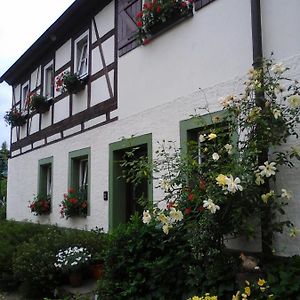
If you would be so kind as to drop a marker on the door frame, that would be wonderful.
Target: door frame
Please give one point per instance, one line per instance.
(115, 186)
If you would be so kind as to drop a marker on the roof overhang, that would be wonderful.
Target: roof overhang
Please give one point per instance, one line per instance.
(78, 14)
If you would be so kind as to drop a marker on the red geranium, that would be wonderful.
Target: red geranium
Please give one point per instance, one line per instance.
(74, 203)
(190, 197)
(41, 205)
(188, 210)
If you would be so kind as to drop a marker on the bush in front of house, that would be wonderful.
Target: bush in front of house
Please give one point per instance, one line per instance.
(283, 275)
(12, 235)
(144, 264)
(34, 261)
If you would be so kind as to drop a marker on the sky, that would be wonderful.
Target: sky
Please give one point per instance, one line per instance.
(21, 24)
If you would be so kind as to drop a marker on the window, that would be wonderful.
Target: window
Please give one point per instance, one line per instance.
(79, 170)
(81, 56)
(45, 176)
(49, 81)
(192, 129)
(24, 95)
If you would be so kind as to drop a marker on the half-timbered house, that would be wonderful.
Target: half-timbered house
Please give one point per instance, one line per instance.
(143, 92)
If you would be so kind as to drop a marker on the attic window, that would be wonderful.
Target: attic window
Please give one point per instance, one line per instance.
(81, 56)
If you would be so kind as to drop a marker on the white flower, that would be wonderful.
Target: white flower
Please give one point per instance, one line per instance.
(228, 148)
(294, 232)
(227, 101)
(278, 68)
(285, 194)
(166, 228)
(294, 101)
(146, 217)
(276, 113)
(295, 150)
(215, 156)
(176, 215)
(208, 204)
(233, 184)
(163, 218)
(165, 184)
(268, 169)
(259, 180)
(265, 197)
(212, 136)
(202, 138)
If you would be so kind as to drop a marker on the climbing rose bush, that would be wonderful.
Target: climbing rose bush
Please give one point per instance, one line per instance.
(221, 186)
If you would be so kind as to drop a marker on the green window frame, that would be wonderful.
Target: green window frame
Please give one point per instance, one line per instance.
(45, 176)
(190, 128)
(80, 171)
(117, 187)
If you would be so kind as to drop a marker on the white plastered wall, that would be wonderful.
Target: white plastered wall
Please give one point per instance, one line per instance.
(211, 47)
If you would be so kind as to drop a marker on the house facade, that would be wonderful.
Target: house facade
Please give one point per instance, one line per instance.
(144, 92)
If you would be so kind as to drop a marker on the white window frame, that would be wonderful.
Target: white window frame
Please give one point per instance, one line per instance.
(49, 179)
(23, 95)
(45, 81)
(83, 172)
(80, 59)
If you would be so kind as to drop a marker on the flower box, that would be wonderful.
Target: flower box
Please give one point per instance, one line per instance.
(73, 84)
(159, 16)
(15, 118)
(39, 104)
(159, 28)
(41, 205)
(74, 204)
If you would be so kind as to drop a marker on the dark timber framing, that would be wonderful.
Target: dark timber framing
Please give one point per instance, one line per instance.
(104, 108)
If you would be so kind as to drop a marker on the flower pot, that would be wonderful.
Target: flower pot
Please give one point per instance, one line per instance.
(174, 19)
(43, 107)
(97, 271)
(20, 121)
(75, 279)
(75, 88)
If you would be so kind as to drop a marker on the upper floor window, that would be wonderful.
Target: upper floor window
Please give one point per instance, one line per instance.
(81, 55)
(49, 81)
(24, 94)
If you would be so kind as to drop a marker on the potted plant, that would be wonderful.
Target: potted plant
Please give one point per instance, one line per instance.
(14, 117)
(74, 204)
(39, 103)
(72, 83)
(158, 15)
(97, 266)
(41, 205)
(72, 261)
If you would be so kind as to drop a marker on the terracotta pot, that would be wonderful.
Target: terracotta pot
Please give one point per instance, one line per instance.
(97, 271)
(75, 279)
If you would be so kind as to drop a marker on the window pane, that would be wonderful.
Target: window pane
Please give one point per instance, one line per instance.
(49, 82)
(49, 180)
(24, 95)
(82, 57)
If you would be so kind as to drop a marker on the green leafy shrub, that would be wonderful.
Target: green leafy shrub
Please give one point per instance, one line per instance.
(142, 263)
(284, 278)
(34, 261)
(13, 234)
(2, 211)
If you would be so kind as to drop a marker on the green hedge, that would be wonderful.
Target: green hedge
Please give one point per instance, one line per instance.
(12, 235)
(27, 255)
(33, 263)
